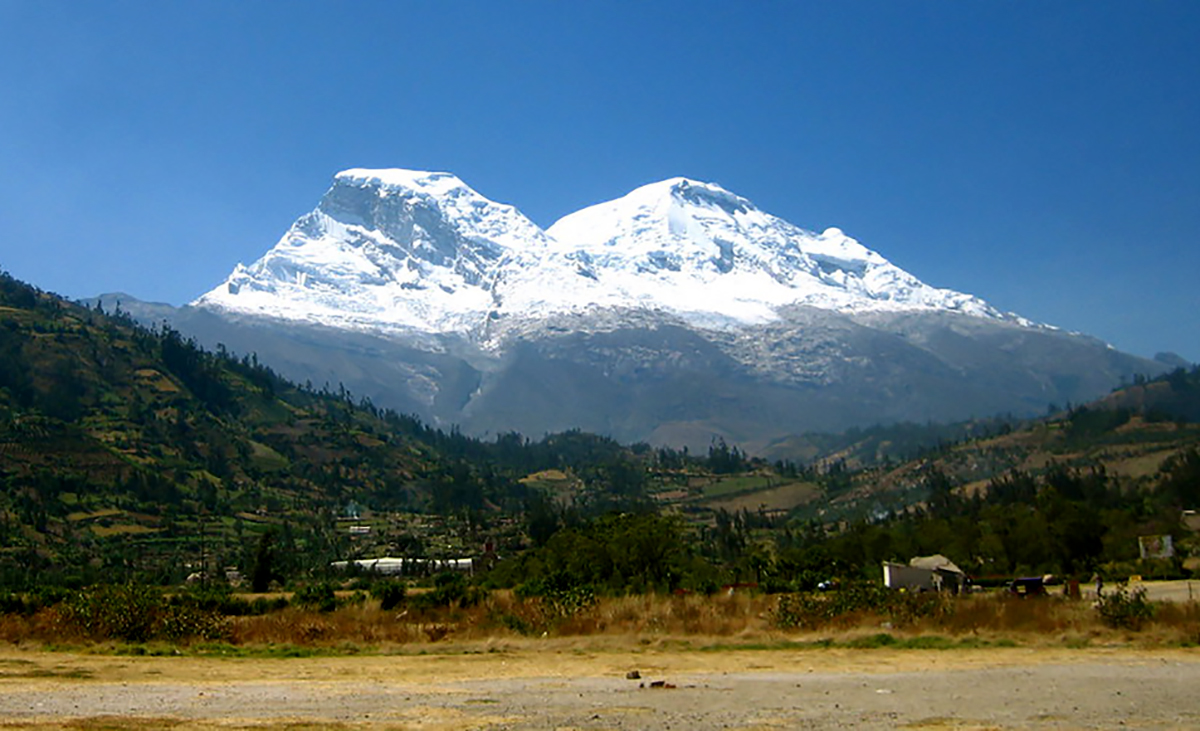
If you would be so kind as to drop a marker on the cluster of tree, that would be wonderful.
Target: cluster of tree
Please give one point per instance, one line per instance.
(133, 453)
(616, 553)
(1182, 400)
(1065, 522)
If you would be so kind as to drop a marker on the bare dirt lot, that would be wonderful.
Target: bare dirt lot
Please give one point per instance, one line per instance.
(556, 684)
(1170, 591)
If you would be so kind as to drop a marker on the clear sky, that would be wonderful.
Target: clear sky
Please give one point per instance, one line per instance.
(1042, 155)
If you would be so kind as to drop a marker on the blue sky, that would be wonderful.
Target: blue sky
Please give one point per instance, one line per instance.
(1044, 156)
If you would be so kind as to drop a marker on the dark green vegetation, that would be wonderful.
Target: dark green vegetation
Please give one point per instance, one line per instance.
(131, 455)
(128, 453)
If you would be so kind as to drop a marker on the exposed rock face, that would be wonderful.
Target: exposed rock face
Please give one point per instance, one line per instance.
(674, 314)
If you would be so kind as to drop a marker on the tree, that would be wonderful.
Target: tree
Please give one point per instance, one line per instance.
(264, 563)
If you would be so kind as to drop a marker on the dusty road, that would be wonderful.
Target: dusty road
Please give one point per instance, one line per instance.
(560, 686)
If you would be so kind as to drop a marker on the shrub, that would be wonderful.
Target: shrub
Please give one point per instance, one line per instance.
(390, 594)
(181, 622)
(263, 605)
(560, 596)
(41, 597)
(47, 596)
(871, 642)
(1125, 608)
(318, 597)
(14, 604)
(129, 612)
(807, 609)
(449, 589)
(136, 613)
(213, 598)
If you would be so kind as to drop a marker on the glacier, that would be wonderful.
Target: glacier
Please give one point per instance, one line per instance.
(393, 250)
(675, 313)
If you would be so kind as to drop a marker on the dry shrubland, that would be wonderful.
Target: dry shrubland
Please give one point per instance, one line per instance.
(867, 618)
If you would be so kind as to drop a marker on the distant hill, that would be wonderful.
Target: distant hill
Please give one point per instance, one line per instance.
(126, 451)
(1129, 435)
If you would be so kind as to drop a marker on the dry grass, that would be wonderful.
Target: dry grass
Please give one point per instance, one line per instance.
(725, 620)
(717, 616)
(136, 723)
(1001, 613)
(784, 497)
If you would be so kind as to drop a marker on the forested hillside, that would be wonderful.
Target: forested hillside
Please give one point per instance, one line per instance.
(129, 453)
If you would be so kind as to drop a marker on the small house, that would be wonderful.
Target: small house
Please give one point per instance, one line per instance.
(925, 573)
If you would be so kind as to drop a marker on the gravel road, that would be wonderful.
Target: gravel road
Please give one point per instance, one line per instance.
(867, 689)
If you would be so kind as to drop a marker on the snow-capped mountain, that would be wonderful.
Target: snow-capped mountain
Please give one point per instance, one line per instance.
(674, 314)
(406, 250)
(390, 250)
(696, 249)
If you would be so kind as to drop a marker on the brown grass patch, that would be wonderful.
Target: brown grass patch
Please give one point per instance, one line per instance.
(690, 614)
(741, 618)
(103, 531)
(156, 380)
(783, 497)
(101, 723)
(94, 515)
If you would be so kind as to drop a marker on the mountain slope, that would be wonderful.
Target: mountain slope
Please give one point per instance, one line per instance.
(692, 247)
(677, 313)
(129, 452)
(419, 251)
(1129, 438)
(386, 249)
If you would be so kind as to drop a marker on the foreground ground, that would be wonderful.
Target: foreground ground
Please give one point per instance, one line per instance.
(571, 684)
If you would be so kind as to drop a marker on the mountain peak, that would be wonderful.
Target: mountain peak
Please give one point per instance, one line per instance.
(391, 249)
(687, 191)
(388, 249)
(437, 183)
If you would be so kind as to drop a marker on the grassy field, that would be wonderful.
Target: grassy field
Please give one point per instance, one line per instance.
(1171, 619)
(783, 497)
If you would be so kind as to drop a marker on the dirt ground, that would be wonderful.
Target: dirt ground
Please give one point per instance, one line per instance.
(1170, 591)
(572, 685)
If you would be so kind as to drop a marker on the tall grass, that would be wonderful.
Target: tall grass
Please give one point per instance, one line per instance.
(742, 618)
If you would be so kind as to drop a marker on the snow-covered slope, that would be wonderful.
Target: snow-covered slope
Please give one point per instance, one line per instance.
(388, 250)
(695, 248)
(400, 250)
(675, 313)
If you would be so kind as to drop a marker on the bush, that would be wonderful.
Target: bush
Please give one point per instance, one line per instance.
(136, 613)
(14, 604)
(390, 594)
(262, 605)
(181, 622)
(558, 595)
(449, 589)
(807, 609)
(129, 612)
(318, 597)
(1125, 608)
(215, 598)
(28, 604)
(47, 596)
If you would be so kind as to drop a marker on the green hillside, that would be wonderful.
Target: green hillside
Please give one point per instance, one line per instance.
(126, 452)
(129, 453)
